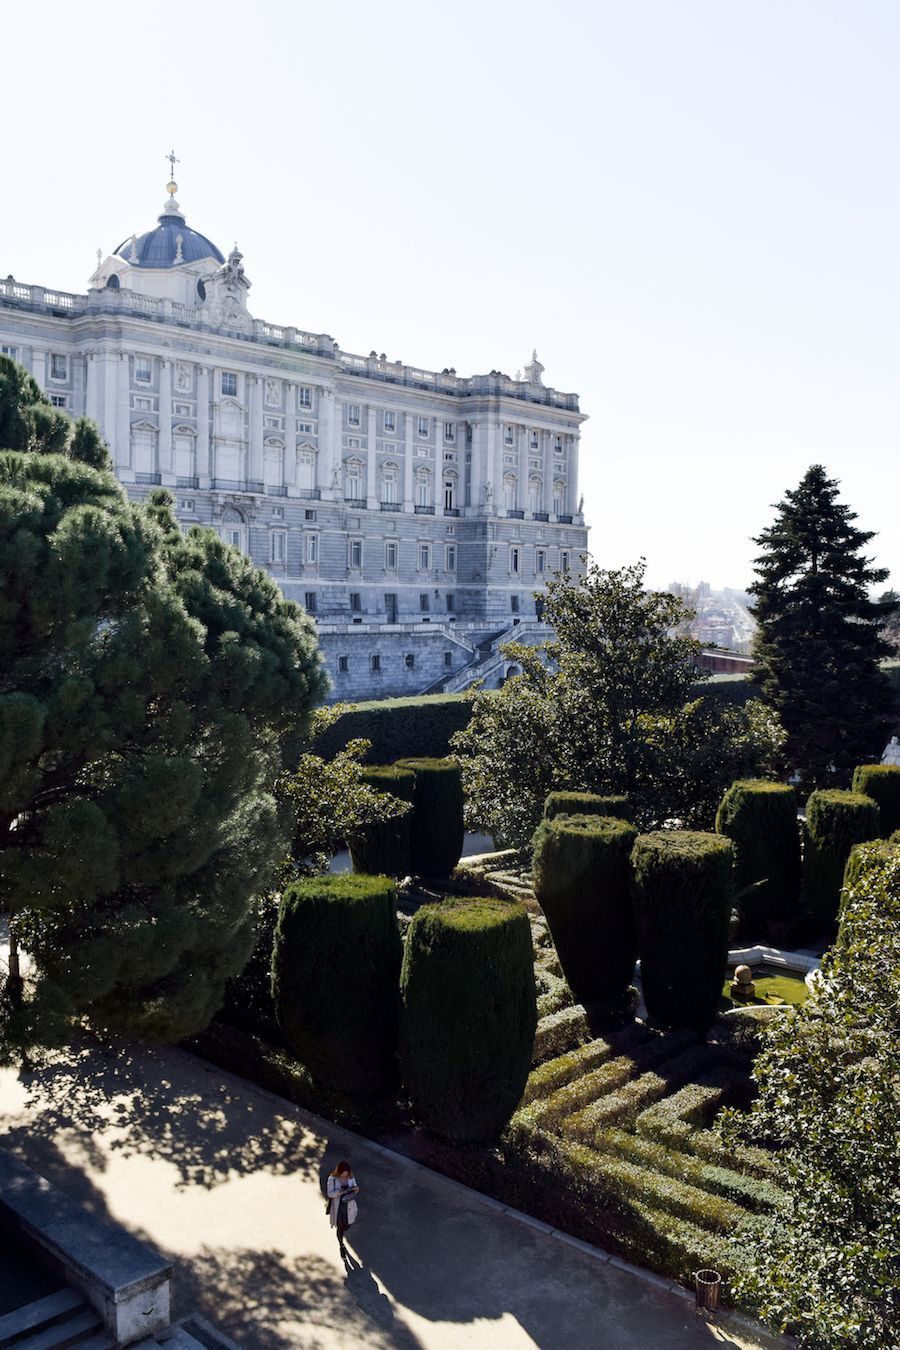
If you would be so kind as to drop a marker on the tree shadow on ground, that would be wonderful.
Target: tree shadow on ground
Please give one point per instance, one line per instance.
(143, 1100)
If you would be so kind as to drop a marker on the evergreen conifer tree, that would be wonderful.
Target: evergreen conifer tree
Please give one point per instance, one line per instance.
(145, 681)
(819, 642)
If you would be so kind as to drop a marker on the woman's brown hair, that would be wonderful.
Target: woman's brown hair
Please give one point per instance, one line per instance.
(342, 1167)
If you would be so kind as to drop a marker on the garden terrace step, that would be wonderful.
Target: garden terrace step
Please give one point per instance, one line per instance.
(43, 1312)
(623, 1102)
(754, 1194)
(673, 1119)
(74, 1329)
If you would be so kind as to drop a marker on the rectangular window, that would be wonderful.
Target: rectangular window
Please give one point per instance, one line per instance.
(424, 557)
(11, 352)
(312, 549)
(448, 659)
(375, 663)
(353, 414)
(451, 602)
(514, 603)
(355, 554)
(353, 443)
(273, 423)
(343, 664)
(514, 560)
(58, 400)
(389, 447)
(451, 557)
(564, 561)
(309, 514)
(186, 504)
(229, 384)
(540, 561)
(355, 602)
(310, 602)
(142, 371)
(59, 366)
(278, 513)
(305, 428)
(390, 421)
(390, 555)
(182, 410)
(558, 445)
(449, 431)
(142, 404)
(304, 397)
(410, 660)
(534, 440)
(277, 546)
(423, 426)
(509, 437)
(424, 602)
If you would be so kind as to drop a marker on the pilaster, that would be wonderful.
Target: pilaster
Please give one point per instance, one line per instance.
(122, 424)
(371, 442)
(408, 453)
(204, 468)
(166, 467)
(255, 472)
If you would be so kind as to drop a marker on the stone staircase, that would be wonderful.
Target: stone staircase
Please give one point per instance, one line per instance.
(53, 1322)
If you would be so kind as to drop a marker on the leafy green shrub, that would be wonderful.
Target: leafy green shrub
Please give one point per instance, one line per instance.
(559, 1032)
(760, 819)
(682, 891)
(864, 864)
(398, 727)
(382, 848)
(468, 1015)
(881, 782)
(835, 821)
(334, 979)
(581, 881)
(587, 804)
(436, 826)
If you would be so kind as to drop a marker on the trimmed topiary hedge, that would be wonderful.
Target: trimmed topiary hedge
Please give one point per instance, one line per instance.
(881, 782)
(382, 848)
(865, 860)
(835, 821)
(587, 804)
(760, 819)
(581, 881)
(436, 827)
(335, 968)
(398, 727)
(468, 1015)
(682, 886)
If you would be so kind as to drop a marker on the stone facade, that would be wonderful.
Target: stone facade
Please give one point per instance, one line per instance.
(414, 513)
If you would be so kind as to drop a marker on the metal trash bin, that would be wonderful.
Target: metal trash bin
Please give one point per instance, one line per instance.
(708, 1287)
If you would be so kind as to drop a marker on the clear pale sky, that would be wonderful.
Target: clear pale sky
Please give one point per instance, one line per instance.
(690, 207)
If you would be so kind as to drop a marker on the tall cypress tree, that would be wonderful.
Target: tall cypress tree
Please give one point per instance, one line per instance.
(819, 642)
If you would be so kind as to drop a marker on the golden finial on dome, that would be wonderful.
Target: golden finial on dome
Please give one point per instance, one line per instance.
(172, 186)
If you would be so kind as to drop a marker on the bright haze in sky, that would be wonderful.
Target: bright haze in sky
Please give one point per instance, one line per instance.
(690, 209)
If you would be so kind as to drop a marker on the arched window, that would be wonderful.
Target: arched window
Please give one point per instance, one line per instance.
(423, 487)
(389, 481)
(234, 528)
(510, 491)
(535, 492)
(353, 479)
(450, 489)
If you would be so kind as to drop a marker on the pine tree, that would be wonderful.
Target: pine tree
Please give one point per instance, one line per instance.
(145, 682)
(819, 642)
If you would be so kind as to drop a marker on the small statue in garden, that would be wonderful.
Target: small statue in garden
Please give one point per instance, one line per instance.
(742, 986)
(891, 754)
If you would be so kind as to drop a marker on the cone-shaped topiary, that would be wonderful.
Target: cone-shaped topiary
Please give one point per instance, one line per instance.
(468, 1015)
(682, 891)
(436, 823)
(382, 847)
(760, 819)
(335, 968)
(581, 881)
(835, 821)
(587, 804)
(881, 782)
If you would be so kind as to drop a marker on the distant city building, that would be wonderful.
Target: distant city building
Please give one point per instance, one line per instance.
(414, 513)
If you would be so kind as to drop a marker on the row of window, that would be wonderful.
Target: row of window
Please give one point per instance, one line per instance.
(278, 550)
(409, 661)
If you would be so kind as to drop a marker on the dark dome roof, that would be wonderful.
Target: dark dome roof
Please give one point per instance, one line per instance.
(159, 247)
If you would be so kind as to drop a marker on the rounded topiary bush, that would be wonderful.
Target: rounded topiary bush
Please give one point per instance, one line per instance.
(335, 967)
(835, 821)
(587, 804)
(436, 827)
(682, 887)
(468, 1015)
(382, 847)
(582, 882)
(881, 782)
(760, 819)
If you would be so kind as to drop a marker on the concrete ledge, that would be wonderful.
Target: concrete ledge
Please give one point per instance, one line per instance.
(123, 1279)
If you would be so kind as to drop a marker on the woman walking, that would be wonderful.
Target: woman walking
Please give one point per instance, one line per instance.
(341, 1189)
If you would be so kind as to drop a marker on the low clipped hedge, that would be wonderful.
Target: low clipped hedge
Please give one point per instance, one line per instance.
(587, 804)
(335, 968)
(582, 883)
(881, 782)
(436, 829)
(382, 848)
(835, 821)
(760, 819)
(468, 1015)
(682, 886)
(398, 727)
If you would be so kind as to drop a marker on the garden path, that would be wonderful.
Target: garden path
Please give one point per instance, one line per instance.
(225, 1179)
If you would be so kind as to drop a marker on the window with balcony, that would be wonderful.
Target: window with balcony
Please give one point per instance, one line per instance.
(423, 488)
(450, 486)
(423, 426)
(390, 421)
(353, 480)
(509, 437)
(353, 414)
(510, 491)
(449, 431)
(389, 484)
(304, 397)
(535, 491)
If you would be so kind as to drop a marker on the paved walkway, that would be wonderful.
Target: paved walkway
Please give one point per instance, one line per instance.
(225, 1179)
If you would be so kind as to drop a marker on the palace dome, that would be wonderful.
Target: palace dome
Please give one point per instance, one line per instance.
(170, 244)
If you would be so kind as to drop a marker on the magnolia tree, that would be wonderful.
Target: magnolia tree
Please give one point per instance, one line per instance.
(609, 706)
(146, 681)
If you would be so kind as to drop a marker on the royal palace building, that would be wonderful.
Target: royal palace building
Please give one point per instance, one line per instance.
(414, 513)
